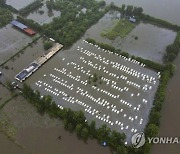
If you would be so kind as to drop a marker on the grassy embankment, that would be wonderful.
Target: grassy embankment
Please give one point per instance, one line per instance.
(121, 28)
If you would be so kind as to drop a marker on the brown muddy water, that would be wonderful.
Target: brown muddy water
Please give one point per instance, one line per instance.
(45, 141)
(44, 18)
(9, 147)
(170, 125)
(11, 41)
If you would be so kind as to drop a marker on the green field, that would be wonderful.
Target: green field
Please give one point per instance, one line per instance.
(121, 28)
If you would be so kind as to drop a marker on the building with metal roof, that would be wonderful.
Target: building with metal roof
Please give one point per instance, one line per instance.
(18, 24)
(23, 27)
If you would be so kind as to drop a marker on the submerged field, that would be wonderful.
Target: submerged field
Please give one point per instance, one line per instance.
(19, 4)
(43, 15)
(122, 28)
(11, 41)
(145, 40)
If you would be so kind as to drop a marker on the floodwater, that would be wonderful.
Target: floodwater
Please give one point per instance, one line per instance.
(12, 148)
(44, 18)
(45, 140)
(168, 10)
(39, 80)
(19, 4)
(11, 41)
(170, 125)
(163, 9)
(149, 44)
(21, 61)
(4, 94)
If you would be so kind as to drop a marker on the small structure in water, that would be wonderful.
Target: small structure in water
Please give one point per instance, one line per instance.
(23, 27)
(132, 19)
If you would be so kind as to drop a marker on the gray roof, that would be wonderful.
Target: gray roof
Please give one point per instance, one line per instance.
(18, 24)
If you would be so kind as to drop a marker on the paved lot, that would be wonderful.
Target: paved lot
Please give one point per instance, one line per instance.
(123, 98)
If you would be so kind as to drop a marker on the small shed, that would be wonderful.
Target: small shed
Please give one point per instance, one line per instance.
(132, 19)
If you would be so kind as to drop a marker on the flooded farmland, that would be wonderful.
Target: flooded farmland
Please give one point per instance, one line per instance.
(45, 17)
(149, 44)
(19, 4)
(21, 61)
(11, 41)
(163, 9)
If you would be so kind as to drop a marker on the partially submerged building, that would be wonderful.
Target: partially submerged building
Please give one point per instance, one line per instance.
(23, 27)
(132, 19)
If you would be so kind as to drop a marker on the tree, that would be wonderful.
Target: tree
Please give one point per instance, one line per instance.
(70, 127)
(152, 130)
(154, 118)
(47, 45)
(122, 150)
(129, 10)
(78, 129)
(92, 128)
(123, 8)
(139, 11)
(50, 5)
(103, 133)
(85, 133)
(79, 117)
(2, 3)
(116, 139)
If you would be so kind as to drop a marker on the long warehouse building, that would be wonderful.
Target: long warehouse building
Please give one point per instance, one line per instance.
(23, 27)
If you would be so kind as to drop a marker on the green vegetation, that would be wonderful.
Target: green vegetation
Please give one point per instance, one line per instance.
(158, 22)
(48, 45)
(31, 7)
(31, 23)
(5, 6)
(72, 23)
(122, 28)
(95, 79)
(2, 3)
(5, 17)
(173, 49)
(128, 10)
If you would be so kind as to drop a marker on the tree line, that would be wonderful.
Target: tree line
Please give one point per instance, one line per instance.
(172, 50)
(5, 17)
